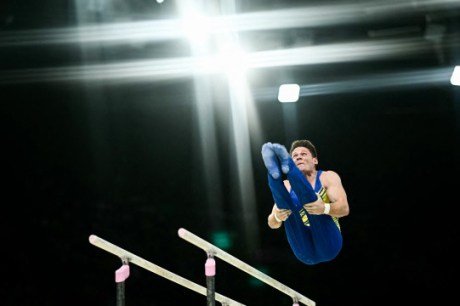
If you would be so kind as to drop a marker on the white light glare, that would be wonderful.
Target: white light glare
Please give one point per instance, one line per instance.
(289, 93)
(455, 79)
(195, 25)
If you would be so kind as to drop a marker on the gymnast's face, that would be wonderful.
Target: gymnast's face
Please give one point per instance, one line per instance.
(304, 159)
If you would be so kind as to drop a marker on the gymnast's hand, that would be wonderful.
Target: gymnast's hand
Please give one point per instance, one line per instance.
(315, 208)
(281, 214)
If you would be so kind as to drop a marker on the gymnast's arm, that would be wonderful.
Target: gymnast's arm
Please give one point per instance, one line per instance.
(336, 193)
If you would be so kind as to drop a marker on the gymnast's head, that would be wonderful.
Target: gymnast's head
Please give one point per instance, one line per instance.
(303, 152)
(305, 144)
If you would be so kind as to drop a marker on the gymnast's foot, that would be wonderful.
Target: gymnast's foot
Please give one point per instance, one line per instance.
(283, 156)
(270, 161)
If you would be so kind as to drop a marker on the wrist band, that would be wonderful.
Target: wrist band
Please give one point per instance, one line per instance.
(327, 208)
(276, 218)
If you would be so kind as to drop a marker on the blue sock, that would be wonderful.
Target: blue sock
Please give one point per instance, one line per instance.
(270, 160)
(283, 156)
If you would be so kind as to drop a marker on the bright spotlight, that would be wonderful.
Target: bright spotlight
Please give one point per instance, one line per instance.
(288, 93)
(455, 79)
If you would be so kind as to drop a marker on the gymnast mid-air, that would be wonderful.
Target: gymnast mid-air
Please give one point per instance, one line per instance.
(309, 202)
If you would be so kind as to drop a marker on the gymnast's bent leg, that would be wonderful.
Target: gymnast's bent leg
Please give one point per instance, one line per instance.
(298, 235)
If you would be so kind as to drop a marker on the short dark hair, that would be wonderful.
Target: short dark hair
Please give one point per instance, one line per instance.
(304, 143)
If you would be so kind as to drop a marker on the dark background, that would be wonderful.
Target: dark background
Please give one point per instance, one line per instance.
(133, 159)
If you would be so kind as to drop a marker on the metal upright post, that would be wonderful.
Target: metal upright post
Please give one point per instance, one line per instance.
(120, 276)
(210, 272)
